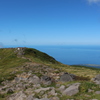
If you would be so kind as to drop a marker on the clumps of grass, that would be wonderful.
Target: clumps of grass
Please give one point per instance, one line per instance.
(82, 78)
(10, 92)
(38, 74)
(1, 80)
(2, 96)
(87, 85)
(11, 77)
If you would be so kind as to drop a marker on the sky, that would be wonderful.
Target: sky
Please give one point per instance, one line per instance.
(49, 22)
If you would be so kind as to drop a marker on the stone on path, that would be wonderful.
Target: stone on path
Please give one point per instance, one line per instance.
(72, 90)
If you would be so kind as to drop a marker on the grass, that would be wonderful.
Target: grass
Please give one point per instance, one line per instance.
(39, 55)
(79, 71)
(10, 62)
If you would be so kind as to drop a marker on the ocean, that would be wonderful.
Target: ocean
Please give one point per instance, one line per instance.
(73, 55)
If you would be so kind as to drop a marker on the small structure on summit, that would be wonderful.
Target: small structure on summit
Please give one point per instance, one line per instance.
(20, 51)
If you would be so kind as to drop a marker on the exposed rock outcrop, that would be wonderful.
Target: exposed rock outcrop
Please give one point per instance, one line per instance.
(72, 90)
(40, 82)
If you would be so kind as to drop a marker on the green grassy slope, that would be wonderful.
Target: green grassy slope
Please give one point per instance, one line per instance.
(35, 54)
(13, 60)
(10, 60)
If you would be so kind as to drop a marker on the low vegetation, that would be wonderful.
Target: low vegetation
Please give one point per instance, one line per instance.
(14, 61)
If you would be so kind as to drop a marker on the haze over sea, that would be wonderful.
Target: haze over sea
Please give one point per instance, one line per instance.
(73, 55)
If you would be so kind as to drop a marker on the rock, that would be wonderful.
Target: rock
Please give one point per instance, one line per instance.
(42, 99)
(86, 95)
(89, 90)
(97, 92)
(71, 90)
(42, 89)
(67, 77)
(10, 90)
(62, 88)
(29, 91)
(97, 82)
(57, 85)
(30, 97)
(45, 99)
(46, 80)
(45, 96)
(54, 98)
(17, 79)
(17, 96)
(36, 99)
(52, 92)
(42, 93)
(36, 85)
(19, 86)
(96, 79)
(34, 80)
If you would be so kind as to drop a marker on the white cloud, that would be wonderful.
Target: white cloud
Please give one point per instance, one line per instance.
(93, 1)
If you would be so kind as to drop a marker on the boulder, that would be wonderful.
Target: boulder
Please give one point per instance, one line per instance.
(46, 80)
(61, 88)
(52, 92)
(97, 92)
(67, 77)
(71, 90)
(96, 79)
(17, 96)
(34, 79)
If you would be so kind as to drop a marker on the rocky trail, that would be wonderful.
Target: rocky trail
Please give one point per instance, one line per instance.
(41, 82)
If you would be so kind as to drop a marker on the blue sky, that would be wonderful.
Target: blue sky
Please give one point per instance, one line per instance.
(49, 22)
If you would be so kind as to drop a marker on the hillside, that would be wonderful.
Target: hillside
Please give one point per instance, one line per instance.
(29, 74)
